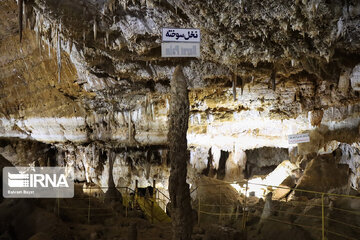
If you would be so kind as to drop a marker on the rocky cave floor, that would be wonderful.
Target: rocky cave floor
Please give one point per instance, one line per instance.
(41, 219)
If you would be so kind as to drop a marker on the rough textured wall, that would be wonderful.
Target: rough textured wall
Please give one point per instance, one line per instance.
(294, 61)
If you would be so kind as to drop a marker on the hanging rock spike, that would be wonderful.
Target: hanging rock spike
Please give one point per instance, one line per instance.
(242, 85)
(58, 53)
(95, 27)
(70, 45)
(24, 14)
(273, 78)
(234, 83)
(20, 3)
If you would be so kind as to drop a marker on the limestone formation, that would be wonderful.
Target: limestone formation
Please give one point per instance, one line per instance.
(86, 88)
(178, 188)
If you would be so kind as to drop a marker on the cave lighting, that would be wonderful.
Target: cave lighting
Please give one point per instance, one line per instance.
(260, 186)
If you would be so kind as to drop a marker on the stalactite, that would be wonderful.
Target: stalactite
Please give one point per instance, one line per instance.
(49, 48)
(24, 14)
(292, 62)
(39, 30)
(70, 45)
(234, 78)
(242, 85)
(94, 152)
(20, 4)
(273, 80)
(111, 7)
(95, 28)
(152, 111)
(106, 38)
(167, 105)
(129, 127)
(58, 52)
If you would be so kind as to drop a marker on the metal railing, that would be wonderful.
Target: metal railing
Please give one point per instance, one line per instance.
(324, 210)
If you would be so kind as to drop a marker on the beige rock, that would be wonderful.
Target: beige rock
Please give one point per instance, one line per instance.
(316, 117)
(323, 174)
(355, 78)
(284, 189)
(317, 141)
(344, 81)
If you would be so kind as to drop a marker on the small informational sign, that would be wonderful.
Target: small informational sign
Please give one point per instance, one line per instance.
(181, 35)
(177, 49)
(299, 138)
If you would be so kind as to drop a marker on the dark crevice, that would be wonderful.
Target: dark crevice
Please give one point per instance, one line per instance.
(222, 164)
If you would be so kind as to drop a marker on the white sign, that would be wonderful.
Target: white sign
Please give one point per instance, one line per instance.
(298, 138)
(176, 49)
(181, 35)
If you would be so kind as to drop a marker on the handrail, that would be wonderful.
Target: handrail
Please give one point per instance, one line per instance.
(163, 194)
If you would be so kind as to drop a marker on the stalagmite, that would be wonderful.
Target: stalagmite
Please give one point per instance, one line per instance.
(178, 188)
(112, 194)
(20, 3)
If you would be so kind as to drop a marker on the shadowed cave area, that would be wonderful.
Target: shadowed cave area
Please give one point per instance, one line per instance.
(245, 125)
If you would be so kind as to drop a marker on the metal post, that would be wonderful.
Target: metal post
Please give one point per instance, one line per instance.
(243, 223)
(323, 216)
(199, 213)
(220, 204)
(136, 193)
(153, 202)
(154, 190)
(237, 212)
(89, 207)
(58, 207)
(127, 201)
(58, 203)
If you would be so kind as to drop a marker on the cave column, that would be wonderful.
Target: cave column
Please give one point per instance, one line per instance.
(178, 188)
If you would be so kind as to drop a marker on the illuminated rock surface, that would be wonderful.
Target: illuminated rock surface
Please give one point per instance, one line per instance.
(111, 94)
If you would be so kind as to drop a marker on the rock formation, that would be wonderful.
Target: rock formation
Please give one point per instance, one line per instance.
(179, 156)
(79, 79)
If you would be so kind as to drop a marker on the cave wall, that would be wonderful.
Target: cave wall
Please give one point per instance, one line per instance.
(296, 64)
